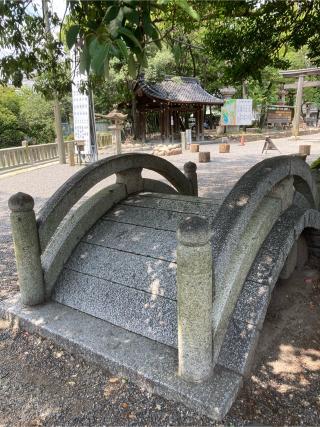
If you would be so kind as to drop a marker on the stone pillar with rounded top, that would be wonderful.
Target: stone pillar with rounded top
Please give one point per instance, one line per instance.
(132, 179)
(190, 171)
(195, 291)
(27, 248)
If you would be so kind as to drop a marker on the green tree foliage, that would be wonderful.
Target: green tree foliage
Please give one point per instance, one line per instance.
(11, 128)
(29, 50)
(103, 30)
(36, 114)
(24, 114)
(10, 131)
(251, 35)
(160, 64)
(115, 90)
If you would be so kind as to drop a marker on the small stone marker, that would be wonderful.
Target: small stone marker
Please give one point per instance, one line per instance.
(305, 149)
(224, 148)
(204, 156)
(194, 148)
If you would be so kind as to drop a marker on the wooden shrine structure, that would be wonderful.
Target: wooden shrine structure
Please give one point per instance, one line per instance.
(174, 99)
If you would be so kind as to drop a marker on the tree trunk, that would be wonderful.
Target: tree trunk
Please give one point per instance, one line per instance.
(264, 106)
(135, 118)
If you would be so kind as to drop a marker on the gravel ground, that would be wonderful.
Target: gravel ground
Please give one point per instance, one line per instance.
(42, 384)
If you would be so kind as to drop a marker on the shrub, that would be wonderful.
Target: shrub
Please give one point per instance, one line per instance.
(10, 132)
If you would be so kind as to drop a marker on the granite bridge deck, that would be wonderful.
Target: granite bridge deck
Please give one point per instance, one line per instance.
(124, 269)
(103, 279)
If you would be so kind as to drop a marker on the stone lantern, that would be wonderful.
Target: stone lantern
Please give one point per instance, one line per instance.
(117, 119)
(228, 92)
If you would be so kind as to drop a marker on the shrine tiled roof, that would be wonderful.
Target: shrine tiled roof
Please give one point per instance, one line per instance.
(182, 90)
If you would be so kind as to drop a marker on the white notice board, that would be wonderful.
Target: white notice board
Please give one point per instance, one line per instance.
(237, 112)
(244, 112)
(81, 113)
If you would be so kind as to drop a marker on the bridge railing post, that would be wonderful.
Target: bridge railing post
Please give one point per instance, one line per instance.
(190, 171)
(195, 290)
(27, 248)
(132, 179)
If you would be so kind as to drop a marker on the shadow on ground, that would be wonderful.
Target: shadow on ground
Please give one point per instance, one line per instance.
(284, 387)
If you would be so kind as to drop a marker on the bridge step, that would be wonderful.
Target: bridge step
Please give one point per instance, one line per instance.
(124, 270)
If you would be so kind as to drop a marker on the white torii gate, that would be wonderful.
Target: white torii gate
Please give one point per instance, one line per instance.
(300, 75)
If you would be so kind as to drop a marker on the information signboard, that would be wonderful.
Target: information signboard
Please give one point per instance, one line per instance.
(83, 116)
(237, 112)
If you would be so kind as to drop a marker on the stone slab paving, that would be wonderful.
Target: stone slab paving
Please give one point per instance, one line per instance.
(146, 273)
(147, 314)
(124, 270)
(141, 240)
(163, 219)
(201, 207)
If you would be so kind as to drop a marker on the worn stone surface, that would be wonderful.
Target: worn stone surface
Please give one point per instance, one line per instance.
(181, 197)
(126, 259)
(26, 248)
(157, 186)
(55, 209)
(136, 239)
(238, 265)
(271, 257)
(284, 191)
(195, 291)
(239, 346)
(290, 262)
(125, 353)
(302, 253)
(203, 208)
(74, 228)
(145, 313)
(238, 207)
(148, 274)
(252, 303)
(161, 219)
(132, 180)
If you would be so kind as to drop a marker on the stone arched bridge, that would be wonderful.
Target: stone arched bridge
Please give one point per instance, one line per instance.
(157, 283)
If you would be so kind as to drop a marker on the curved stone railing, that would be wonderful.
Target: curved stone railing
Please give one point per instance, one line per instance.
(67, 228)
(127, 168)
(243, 222)
(252, 304)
